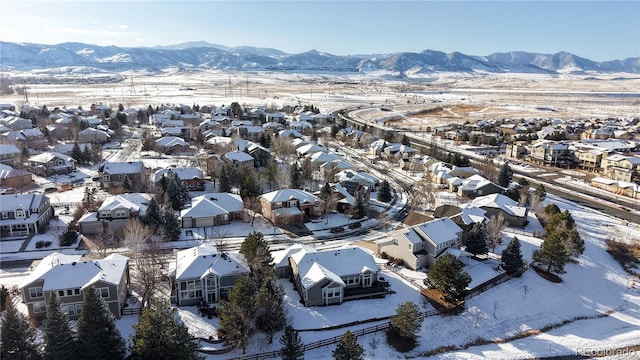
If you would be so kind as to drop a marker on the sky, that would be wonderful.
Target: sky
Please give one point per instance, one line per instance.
(597, 30)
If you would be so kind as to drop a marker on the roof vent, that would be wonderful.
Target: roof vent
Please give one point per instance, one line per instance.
(73, 263)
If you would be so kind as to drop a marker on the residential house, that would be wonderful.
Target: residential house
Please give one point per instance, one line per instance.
(114, 213)
(203, 275)
(17, 123)
(69, 277)
(420, 245)
(281, 259)
(276, 117)
(15, 178)
(172, 145)
(31, 138)
(94, 136)
(114, 174)
(290, 206)
(549, 152)
(49, 163)
(9, 154)
(498, 204)
(621, 167)
(331, 168)
(67, 149)
(24, 214)
(329, 277)
(474, 186)
(361, 177)
(239, 159)
(191, 177)
(631, 190)
(212, 209)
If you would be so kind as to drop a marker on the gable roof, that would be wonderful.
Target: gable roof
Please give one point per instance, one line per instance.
(200, 261)
(439, 231)
(59, 271)
(184, 173)
(130, 167)
(289, 194)
(135, 202)
(333, 264)
(24, 201)
(499, 201)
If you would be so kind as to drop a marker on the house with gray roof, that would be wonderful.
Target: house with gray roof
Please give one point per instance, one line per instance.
(420, 245)
(329, 277)
(498, 204)
(290, 206)
(24, 214)
(51, 162)
(191, 177)
(114, 174)
(114, 213)
(204, 275)
(9, 154)
(69, 277)
(212, 209)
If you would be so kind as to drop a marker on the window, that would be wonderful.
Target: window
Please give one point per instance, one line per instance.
(191, 289)
(103, 292)
(19, 213)
(69, 292)
(120, 213)
(39, 307)
(71, 309)
(35, 292)
(5, 214)
(331, 292)
(76, 291)
(78, 309)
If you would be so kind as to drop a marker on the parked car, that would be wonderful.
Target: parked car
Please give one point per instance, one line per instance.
(337, 230)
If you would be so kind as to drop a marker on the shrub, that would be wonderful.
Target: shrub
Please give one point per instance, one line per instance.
(68, 238)
(39, 244)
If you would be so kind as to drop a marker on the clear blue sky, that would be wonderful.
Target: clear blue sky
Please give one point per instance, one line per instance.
(598, 30)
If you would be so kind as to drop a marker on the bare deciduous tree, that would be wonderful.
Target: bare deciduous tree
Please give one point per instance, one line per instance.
(494, 231)
(102, 244)
(220, 236)
(148, 259)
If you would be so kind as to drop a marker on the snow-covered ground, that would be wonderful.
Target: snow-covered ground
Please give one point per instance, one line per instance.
(595, 308)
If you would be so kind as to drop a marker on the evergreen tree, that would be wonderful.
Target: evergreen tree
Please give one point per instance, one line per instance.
(512, 257)
(405, 140)
(96, 153)
(159, 335)
(357, 211)
(270, 314)
(17, 338)
(540, 192)
(407, 320)
(176, 193)
(447, 276)
(552, 253)
(292, 346)
(325, 193)
(294, 177)
(76, 153)
(152, 217)
(249, 187)
(98, 336)
(256, 251)
(86, 155)
(59, 340)
(384, 192)
(504, 177)
(348, 348)
(171, 224)
(224, 181)
(574, 244)
(476, 239)
(237, 314)
(4, 297)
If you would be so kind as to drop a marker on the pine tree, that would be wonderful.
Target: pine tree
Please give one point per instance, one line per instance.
(512, 257)
(552, 253)
(384, 193)
(249, 187)
(504, 177)
(17, 338)
(294, 177)
(574, 243)
(152, 217)
(237, 314)
(98, 336)
(170, 224)
(5, 297)
(59, 339)
(159, 335)
(292, 346)
(540, 192)
(476, 239)
(348, 348)
(224, 181)
(271, 313)
(407, 321)
(357, 211)
(86, 155)
(256, 251)
(447, 276)
(76, 153)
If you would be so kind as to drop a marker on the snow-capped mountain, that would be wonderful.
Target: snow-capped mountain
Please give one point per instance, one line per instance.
(25, 56)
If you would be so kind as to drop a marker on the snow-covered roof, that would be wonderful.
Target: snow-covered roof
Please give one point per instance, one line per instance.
(239, 156)
(67, 272)
(227, 201)
(131, 167)
(290, 133)
(134, 202)
(290, 194)
(45, 157)
(281, 257)
(332, 264)
(9, 149)
(472, 214)
(310, 148)
(170, 141)
(184, 173)
(7, 171)
(25, 201)
(439, 231)
(500, 201)
(474, 182)
(200, 261)
(323, 157)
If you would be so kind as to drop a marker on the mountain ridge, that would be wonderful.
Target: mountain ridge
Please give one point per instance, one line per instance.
(204, 55)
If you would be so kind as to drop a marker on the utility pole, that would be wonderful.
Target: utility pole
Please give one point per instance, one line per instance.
(26, 97)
